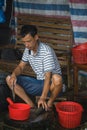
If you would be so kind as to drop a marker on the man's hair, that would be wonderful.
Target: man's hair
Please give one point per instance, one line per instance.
(28, 29)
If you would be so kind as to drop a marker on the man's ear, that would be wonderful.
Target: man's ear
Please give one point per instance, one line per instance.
(36, 37)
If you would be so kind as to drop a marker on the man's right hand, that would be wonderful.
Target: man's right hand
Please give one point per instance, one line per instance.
(12, 80)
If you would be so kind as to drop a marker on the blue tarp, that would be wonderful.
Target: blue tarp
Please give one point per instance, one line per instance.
(1, 3)
(2, 16)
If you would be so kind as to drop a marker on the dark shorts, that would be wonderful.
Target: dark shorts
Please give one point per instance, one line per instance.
(31, 85)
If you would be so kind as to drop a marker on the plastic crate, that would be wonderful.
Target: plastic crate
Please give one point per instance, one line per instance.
(69, 114)
(79, 54)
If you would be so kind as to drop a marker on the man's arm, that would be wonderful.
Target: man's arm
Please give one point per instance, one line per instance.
(46, 88)
(19, 69)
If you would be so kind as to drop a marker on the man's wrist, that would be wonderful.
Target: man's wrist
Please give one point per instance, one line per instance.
(42, 98)
(13, 75)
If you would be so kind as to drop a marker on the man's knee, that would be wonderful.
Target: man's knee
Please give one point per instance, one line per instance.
(7, 80)
(57, 79)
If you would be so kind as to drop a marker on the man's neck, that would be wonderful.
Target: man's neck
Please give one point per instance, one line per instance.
(36, 47)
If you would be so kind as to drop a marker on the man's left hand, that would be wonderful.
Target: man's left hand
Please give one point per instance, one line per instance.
(42, 102)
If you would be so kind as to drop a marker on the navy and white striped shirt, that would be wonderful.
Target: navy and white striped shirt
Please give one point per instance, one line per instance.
(43, 61)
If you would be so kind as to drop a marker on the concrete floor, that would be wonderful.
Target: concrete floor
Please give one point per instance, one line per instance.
(55, 124)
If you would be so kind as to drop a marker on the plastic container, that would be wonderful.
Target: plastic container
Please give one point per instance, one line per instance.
(18, 111)
(79, 54)
(69, 114)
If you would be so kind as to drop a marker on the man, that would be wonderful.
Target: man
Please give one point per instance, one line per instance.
(45, 64)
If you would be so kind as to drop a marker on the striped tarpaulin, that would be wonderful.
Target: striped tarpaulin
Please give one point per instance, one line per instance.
(42, 7)
(78, 14)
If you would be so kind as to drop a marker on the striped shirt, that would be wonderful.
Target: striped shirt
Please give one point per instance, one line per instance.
(43, 61)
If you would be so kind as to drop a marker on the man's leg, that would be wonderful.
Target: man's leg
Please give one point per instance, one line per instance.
(26, 85)
(19, 91)
(55, 88)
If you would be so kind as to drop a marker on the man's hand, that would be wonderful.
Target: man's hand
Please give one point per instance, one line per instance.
(12, 80)
(42, 102)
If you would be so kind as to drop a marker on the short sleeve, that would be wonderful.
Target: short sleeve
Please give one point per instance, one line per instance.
(49, 63)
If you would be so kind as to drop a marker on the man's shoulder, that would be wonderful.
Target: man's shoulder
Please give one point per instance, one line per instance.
(45, 46)
(45, 49)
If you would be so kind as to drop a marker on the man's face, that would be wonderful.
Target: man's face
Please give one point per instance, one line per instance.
(30, 42)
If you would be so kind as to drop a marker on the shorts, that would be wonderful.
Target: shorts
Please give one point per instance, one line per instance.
(31, 85)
